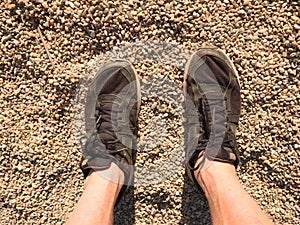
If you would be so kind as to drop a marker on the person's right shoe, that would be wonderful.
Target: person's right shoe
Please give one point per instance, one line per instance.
(211, 82)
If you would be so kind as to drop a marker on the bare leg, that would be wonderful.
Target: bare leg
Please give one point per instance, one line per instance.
(98, 199)
(229, 203)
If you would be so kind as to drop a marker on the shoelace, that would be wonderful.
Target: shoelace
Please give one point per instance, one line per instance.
(98, 124)
(228, 136)
(93, 140)
(228, 132)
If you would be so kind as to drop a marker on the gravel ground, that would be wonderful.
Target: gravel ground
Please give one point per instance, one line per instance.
(45, 49)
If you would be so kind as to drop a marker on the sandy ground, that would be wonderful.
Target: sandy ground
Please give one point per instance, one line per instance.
(47, 47)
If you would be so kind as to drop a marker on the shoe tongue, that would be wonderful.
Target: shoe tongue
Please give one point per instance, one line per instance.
(113, 120)
(106, 131)
(215, 117)
(106, 134)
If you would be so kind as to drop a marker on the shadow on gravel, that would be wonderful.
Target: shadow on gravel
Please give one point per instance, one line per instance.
(124, 211)
(194, 209)
(194, 205)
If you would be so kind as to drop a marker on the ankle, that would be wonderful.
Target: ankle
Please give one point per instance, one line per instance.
(113, 178)
(211, 172)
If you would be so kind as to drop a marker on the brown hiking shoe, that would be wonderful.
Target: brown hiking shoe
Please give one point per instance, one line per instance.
(211, 82)
(111, 113)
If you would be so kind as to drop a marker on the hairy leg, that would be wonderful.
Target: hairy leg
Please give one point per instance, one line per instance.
(229, 203)
(98, 199)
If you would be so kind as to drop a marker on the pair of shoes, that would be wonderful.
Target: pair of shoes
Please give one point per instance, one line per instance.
(113, 103)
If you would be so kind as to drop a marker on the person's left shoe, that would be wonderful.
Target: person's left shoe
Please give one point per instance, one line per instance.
(111, 113)
(211, 83)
